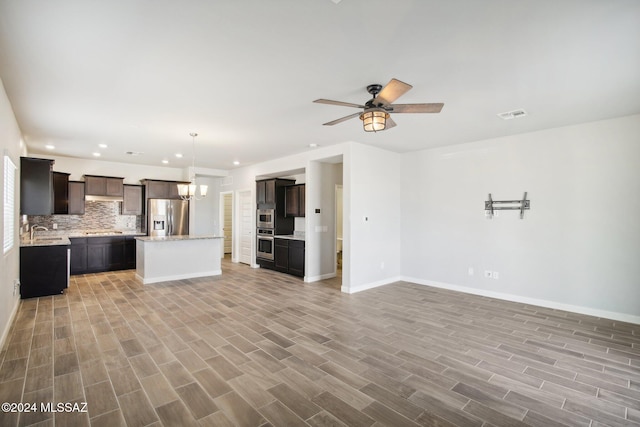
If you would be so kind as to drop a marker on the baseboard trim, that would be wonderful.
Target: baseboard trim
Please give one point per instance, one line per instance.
(178, 277)
(311, 279)
(7, 328)
(352, 290)
(613, 315)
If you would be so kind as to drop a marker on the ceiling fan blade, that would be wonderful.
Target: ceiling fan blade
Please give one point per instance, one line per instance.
(390, 124)
(417, 108)
(330, 102)
(392, 91)
(343, 119)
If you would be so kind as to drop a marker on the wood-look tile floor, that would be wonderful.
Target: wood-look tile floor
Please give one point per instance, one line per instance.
(257, 348)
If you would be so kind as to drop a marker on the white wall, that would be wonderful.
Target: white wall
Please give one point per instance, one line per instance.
(205, 213)
(320, 227)
(131, 173)
(372, 225)
(10, 144)
(578, 248)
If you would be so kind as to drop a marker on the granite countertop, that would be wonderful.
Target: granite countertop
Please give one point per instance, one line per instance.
(175, 238)
(61, 237)
(45, 241)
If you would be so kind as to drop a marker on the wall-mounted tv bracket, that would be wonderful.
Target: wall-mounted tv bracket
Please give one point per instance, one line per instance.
(520, 205)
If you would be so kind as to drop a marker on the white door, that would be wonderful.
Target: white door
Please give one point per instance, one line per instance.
(246, 209)
(227, 223)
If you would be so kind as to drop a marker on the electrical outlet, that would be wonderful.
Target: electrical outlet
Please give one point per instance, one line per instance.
(487, 274)
(382, 265)
(495, 275)
(54, 226)
(470, 271)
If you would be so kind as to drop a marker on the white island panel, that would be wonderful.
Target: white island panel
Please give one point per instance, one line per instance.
(160, 259)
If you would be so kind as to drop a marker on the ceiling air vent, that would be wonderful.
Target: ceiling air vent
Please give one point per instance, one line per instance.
(134, 153)
(512, 114)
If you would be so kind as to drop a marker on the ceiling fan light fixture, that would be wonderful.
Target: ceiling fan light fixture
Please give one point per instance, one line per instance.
(374, 119)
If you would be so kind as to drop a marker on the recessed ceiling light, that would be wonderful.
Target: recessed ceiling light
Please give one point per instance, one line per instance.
(50, 147)
(165, 161)
(96, 154)
(236, 163)
(179, 155)
(102, 145)
(313, 145)
(512, 114)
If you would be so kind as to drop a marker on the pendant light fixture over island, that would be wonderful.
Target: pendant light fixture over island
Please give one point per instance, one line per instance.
(188, 191)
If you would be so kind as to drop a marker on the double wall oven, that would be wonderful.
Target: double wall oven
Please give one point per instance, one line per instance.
(265, 243)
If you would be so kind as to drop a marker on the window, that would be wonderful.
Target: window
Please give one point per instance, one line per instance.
(9, 204)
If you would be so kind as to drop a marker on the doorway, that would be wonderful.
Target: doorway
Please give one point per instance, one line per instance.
(226, 222)
(246, 209)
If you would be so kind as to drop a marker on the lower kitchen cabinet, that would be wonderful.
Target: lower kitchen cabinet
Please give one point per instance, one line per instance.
(296, 257)
(288, 256)
(43, 270)
(78, 255)
(96, 254)
(281, 255)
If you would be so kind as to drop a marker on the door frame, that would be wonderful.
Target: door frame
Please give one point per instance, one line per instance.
(237, 224)
(221, 208)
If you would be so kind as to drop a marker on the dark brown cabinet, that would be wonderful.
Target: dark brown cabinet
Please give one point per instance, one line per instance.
(76, 198)
(132, 200)
(288, 256)
(78, 255)
(43, 270)
(96, 254)
(103, 186)
(266, 191)
(281, 255)
(158, 189)
(295, 200)
(36, 186)
(60, 193)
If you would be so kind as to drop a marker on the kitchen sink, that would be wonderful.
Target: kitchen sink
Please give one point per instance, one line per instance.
(48, 238)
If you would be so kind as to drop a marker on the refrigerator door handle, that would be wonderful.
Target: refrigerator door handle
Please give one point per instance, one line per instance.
(169, 219)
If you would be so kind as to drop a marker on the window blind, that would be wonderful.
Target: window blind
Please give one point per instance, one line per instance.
(9, 196)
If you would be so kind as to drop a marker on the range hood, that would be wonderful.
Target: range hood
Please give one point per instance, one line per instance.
(92, 198)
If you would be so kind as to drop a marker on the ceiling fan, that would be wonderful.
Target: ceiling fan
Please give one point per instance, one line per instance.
(376, 115)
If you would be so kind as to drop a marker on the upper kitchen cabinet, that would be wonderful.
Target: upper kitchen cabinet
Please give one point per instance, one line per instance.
(158, 189)
(132, 201)
(60, 193)
(295, 200)
(76, 198)
(36, 186)
(267, 191)
(103, 187)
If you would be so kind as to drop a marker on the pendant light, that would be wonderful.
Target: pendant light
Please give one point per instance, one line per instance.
(188, 191)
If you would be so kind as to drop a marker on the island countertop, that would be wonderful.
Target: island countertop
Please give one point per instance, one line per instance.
(174, 238)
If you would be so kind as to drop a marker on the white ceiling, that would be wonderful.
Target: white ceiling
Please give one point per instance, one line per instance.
(140, 75)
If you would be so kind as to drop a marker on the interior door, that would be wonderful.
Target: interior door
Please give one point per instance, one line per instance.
(247, 226)
(227, 222)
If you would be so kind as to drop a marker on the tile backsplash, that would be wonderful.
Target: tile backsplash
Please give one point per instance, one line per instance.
(97, 216)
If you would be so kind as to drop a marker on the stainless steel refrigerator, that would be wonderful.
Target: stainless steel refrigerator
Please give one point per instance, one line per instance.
(168, 217)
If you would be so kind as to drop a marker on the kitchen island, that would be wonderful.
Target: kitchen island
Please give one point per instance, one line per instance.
(160, 259)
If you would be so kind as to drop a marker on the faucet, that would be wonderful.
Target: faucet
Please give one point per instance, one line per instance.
(37, 227)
